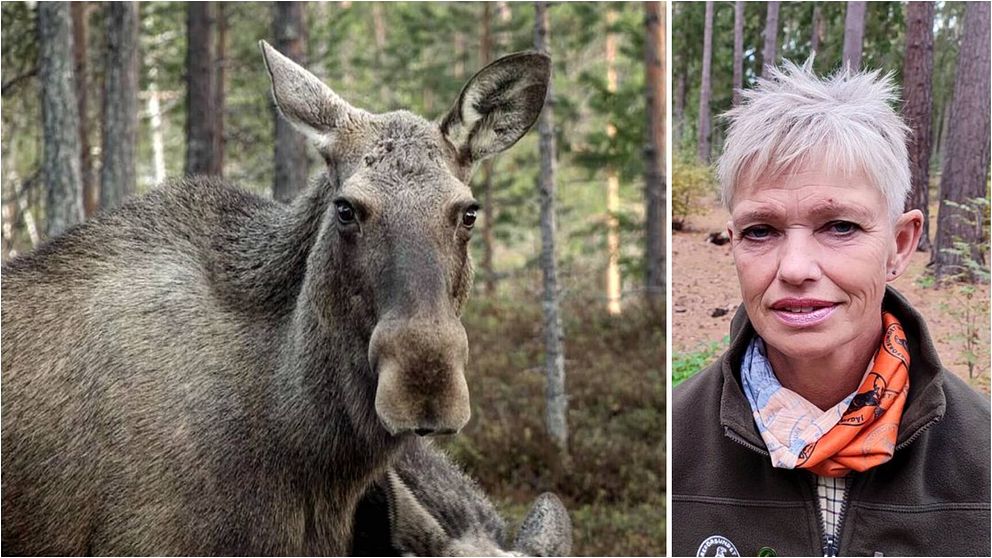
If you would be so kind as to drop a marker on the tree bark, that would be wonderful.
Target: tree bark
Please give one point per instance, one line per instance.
(854, 32)
(220, 86)
(654, 154)
(816, 32)
(917, 72)
(120, 110)
(706, 89)
(80, 42)
(768, 54)
(612, 181)
(967, 159)
(488, 201)
(201, 83)
(738, 51)
(291, 170)
(60, 168)
(556, 401)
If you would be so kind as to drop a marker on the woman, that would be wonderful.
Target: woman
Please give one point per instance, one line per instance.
(829, 426)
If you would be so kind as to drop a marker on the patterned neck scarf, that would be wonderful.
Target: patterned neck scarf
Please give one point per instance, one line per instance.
(855, 435)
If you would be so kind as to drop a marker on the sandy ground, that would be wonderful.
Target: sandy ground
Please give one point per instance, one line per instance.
(704, 280)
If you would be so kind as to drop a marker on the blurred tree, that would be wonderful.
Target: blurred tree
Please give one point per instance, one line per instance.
(703, 148)
(854, 32)
(816, 31)
(291, 161)
(80, 53)
(654, 152)
(917, 85)
(966, 168)
(768, 54)
(556, 413)
(738, 50)
(612, 179)
(488, 203)
(60, 121)
(201, 92)
(120, 105)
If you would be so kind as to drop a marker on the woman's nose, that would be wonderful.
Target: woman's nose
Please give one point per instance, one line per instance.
(799, 258)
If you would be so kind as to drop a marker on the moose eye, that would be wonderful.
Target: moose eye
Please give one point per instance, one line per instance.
(468, 218)
(346, 213)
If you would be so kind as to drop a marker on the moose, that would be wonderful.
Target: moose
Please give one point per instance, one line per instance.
(205, 371)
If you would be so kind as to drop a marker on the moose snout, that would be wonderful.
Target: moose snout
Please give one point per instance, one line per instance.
(421, 384)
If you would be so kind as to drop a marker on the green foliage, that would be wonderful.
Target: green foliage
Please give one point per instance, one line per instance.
(692, 184)
(684, 365)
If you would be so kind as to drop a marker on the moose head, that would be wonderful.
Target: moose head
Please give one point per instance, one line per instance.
(393, 242)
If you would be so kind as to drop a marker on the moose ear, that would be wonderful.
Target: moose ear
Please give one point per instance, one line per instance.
(547, 529)
(497, 106)
(412, 528)
(305, 101)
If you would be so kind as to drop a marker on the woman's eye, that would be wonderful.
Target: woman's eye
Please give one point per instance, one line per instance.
(346, 213)
(468, 218)
(757, 232)
(843, 228)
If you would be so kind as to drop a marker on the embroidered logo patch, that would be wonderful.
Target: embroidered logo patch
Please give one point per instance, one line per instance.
(717, 545)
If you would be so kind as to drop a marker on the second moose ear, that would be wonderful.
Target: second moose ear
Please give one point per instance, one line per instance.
(305, 101)
(497, 106)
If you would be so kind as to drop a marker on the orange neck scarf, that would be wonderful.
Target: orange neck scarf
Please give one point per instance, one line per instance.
(866, 435)
(855, 435)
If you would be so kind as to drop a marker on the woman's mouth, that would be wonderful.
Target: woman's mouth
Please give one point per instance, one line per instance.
(796, 312)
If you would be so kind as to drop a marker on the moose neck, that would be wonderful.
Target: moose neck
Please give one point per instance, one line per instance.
(325, 384)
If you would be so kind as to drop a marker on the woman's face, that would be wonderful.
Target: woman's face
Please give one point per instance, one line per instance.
(813, 252)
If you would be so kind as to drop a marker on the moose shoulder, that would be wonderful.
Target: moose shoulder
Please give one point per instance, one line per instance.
(204, 371)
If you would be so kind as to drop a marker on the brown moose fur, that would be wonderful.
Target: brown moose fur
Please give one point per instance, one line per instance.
(192, 373)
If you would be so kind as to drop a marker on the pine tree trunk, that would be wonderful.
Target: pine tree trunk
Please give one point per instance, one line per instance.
(80, 42)
(488, 201)
(654, 153)
(60, 170)
(768, 54)
(612, 182)
(678, 108)
(738, 51)
(917, 72)
(120, 110)
(201, 81)
(555, 395)
(817, 31)
(966, 163)
(854, 32)
(220, 86)
(706, 89)
(291, 170)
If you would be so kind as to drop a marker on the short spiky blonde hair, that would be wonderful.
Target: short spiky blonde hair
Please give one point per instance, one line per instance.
(795, 118)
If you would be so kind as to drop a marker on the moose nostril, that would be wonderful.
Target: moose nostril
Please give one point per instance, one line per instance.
(423, 431)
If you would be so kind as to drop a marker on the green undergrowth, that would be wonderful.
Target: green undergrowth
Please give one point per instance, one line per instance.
(687, 363)
(613, 479)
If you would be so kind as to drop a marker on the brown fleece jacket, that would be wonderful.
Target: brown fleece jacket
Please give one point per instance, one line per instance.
(932, 498)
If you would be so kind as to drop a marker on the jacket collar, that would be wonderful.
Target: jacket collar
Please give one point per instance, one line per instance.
(926, 402)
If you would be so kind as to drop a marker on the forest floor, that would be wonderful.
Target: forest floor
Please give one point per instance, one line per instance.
(704, 280)
(613, 481)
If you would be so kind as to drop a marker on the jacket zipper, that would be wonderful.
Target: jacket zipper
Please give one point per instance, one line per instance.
(830, 543)
(733, 436)
(918, 433)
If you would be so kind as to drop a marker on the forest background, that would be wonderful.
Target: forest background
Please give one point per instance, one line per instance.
(938, 55)
(124, 96)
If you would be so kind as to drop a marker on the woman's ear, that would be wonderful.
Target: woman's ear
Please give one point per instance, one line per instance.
(907, 232)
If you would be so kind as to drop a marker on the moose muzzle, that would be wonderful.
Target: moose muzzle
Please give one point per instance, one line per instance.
(421, 375)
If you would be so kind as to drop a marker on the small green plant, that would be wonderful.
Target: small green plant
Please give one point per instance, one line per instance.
(692, 181)
(688, 363)
(969, 310)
